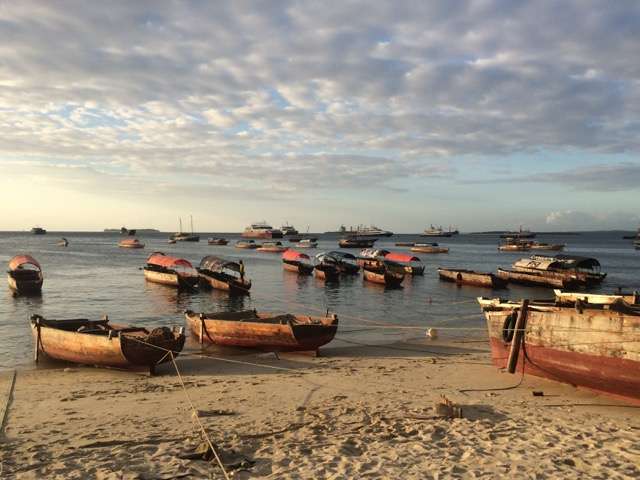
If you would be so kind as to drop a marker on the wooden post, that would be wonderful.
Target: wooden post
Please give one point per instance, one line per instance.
(518, 337)
(36, 353)
(201, 329)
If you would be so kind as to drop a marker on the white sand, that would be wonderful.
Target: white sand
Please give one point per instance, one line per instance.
(358, 412)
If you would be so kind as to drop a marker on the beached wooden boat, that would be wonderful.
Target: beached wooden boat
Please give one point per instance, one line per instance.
(63, 242)
(326, 268)
(172, 271)
(25, 275)
(556, 247)
(469, 277)
(356, 242)
(217, 241)
(412, 264)
(537, 279)
(429, 248)
(345, 262)
(264, 331)
(588, 345)
(97, 342)
(272, 247)
(130, 243)
(246, 244)
(297, 262)
(221, 274)
(578, 271)
(385, 272)
(570, 298)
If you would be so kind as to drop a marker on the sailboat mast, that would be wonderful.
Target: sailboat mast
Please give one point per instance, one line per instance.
(191, 224)
(180, 221)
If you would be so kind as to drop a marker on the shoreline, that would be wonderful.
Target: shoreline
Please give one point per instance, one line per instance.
(355, 411)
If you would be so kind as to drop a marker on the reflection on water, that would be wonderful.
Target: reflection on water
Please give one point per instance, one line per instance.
(93, 277)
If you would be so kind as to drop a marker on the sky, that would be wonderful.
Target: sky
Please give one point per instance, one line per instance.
(479, 114)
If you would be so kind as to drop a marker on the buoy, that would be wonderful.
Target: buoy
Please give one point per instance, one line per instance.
(432, 333)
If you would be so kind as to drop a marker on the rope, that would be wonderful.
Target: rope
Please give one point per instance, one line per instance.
(7, 401)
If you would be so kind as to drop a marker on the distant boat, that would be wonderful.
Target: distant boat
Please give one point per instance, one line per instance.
(63, 242)
(435, 232)
(356, 242)
(246, 244)
(272, 247)
(288, 230)
(261, 230)
(514, 245)
(521, 233)
(362, 231)
(217, 241)
(38, 231)
(25, 275)
(181, 236)
(130, 243)
(429, 248)
(557, 247)
(307, 243)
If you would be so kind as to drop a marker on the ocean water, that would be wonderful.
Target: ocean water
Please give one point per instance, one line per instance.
(92, 277)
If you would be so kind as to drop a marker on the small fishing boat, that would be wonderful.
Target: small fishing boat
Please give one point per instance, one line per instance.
(171, 241)
(25, 275)
(223, 274)
(272, 247)
(371, 256)
(217, 241)
(346, 263)
(405, 244)
(429, 248)
(513, 245)
(288, 230)
(130, 243)
(356, 242)
(384, 272)
(556, 247)
(172, 271)
(263, 331)
(38, 231)
(246, 244)
(583, 344)
(570, 298)
(412, 264)
(520, 233)
(326, 268)
(63, 242)
(577, 270)
(297, 262)
(307, 243)
(97, 342)
(469, 277)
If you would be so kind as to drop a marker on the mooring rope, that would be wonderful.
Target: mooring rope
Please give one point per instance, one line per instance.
(7, 400)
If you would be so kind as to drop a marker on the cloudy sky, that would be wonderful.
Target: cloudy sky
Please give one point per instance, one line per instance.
(481, 114)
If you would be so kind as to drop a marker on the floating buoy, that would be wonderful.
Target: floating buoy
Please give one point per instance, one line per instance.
(432, 333)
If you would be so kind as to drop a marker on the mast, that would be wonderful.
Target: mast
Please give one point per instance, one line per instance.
(180, 221)
(191, 224)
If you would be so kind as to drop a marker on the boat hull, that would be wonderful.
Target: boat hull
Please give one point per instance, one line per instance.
(388, 279)
(298, 267)
(171, 279)
(326, 274)
(269, 336)
(25, 285)
(430, 249)
(262, 234)
(596, 349)
(536, 279)
(476, 279)
(226, 283)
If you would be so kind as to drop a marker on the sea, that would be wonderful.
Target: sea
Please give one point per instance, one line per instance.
(92, 277)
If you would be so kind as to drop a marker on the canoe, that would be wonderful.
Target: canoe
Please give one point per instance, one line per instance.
(171, 271)
(429, 248)
(587, 345)
(387, 273)
(25, 275)
(411, 264)
(264, 331)
(564, 298)
(297, 262)
(97, 342)
(221, 274)
(217, 241)
(537, 279)
(469, 277)
(130, 243)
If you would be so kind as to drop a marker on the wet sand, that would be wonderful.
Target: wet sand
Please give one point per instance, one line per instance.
(358, 411)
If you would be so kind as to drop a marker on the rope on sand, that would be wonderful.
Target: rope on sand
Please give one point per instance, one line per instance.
(5, 409)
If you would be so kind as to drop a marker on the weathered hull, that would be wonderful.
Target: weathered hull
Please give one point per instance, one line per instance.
(218, 242)
(594, 298)
(476, 279)
(121, 351)
(298, 267)
(227, 284)
(388, 279)
(136, 245)
(25, 286)
(248, 246)
(271, 249)
(574, 278)
(171, 279)
(514, 248)
(596, 349)
(327, 274)
(263, 336)
(430, 249)
(536, 279)
(360, 243)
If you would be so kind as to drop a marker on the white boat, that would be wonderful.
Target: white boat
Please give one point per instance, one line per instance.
(435, 232)
(261, 230)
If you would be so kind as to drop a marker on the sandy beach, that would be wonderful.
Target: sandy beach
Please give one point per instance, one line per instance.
(354, 412)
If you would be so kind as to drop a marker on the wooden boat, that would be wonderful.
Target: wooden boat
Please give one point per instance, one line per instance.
(221, 274)
(297, 262)
(356, 242)
(405, 244)
(515, 245)
(429, 248)
(264, 331)
(171, 241)
(371, 256)
(172, 271)
(25, 275)
(537, 279)
(412, 264)
(272, 247)
(307, 243)
(326, 268)
(97, 342)
(570, 298)
(588, 345)
(557, 247)
(38, 231)
(385, 272)
(130, 243)
(345, 262)
(217, 241)
(247, 244)
(469, 277)
(580, 271)
(63, 242)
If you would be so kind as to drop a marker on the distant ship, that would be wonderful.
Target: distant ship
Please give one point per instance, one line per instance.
(518, 234)
(288, 230)
(261, 230)
(363, 231)
(126, 231)
(438, 232)
(38, 231)
(181, 236)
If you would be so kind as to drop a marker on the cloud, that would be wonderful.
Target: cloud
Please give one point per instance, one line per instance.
(578, 220)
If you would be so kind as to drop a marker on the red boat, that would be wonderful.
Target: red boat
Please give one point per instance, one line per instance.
(591, 345)
(412, 264)
(264, 331)
(297, 262)
(25, 274)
